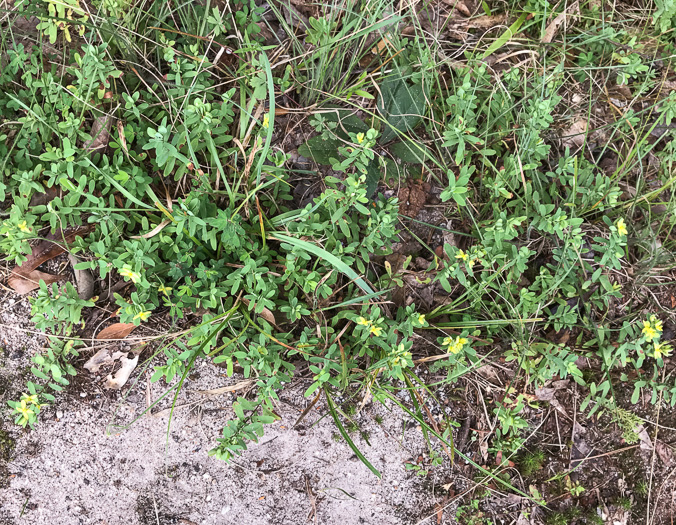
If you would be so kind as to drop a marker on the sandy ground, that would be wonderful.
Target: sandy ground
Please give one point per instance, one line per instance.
(78, 467)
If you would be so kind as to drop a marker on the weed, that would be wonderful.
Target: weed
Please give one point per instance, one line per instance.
(557, 518)
(179, 173)
(641, 488)
(624, 502)
(531, 462)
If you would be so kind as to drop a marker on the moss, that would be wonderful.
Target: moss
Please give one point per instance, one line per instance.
(6, 450)
(6, 446)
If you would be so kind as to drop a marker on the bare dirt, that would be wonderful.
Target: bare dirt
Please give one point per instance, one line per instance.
(87, 463)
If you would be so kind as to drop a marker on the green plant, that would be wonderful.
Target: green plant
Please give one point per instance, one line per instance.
(158, 126)
(471, 514)
(531, 462)
(422, 469)
(628, 423)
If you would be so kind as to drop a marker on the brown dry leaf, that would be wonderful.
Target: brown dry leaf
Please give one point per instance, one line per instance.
(547, 394)
(123, 139)
(157, 229)
(574, 136)
(644, 437)
(489, 373)
(222, 390)
(116, 331)
(553, 26)
(265, 314)
(460, 6)
(117, 381)
(24, 282)
(25, 277)
(665, 453)
(100, 134)
(487, 21)
(40, 199)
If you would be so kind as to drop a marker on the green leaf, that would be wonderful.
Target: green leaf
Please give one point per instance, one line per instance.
(347, 121)
(410, 152)
(402, 105)
(372, 178)
(320, 150)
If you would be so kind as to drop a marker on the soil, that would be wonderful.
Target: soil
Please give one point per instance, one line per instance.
(95, 458)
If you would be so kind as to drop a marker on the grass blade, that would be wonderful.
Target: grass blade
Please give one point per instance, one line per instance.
(505, 37)
(329, 257)
(343, 432)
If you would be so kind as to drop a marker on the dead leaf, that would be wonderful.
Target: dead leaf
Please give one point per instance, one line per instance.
(440, 512)
(665, 453)
(580, 449)
(40, 199)
(117, 381)
(265, 314)
(123, 139)
(116, 331)
(101, 358)
(24, 282)
(574, 137)
(222, 390)
(483, 449)
(547, 394)
(490, 373)
(100, 134)
(157, 229)
(553, 26)
(460, 6)
(644, 437)
(25, 277)
(487, 21)
(83, 279)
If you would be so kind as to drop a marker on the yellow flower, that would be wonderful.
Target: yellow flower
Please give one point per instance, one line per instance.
(266, 121)
(376, 330)
(455, 345)
(32, 400)
(126, 272)
(649, 332)
(661, 350)
(24, 227)
(421, 319)
(360, 138)
(24, 410)
(461, 255)
(363, 321)
(657, 324)
(621, 227)
(142, 316)
(164, 289)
